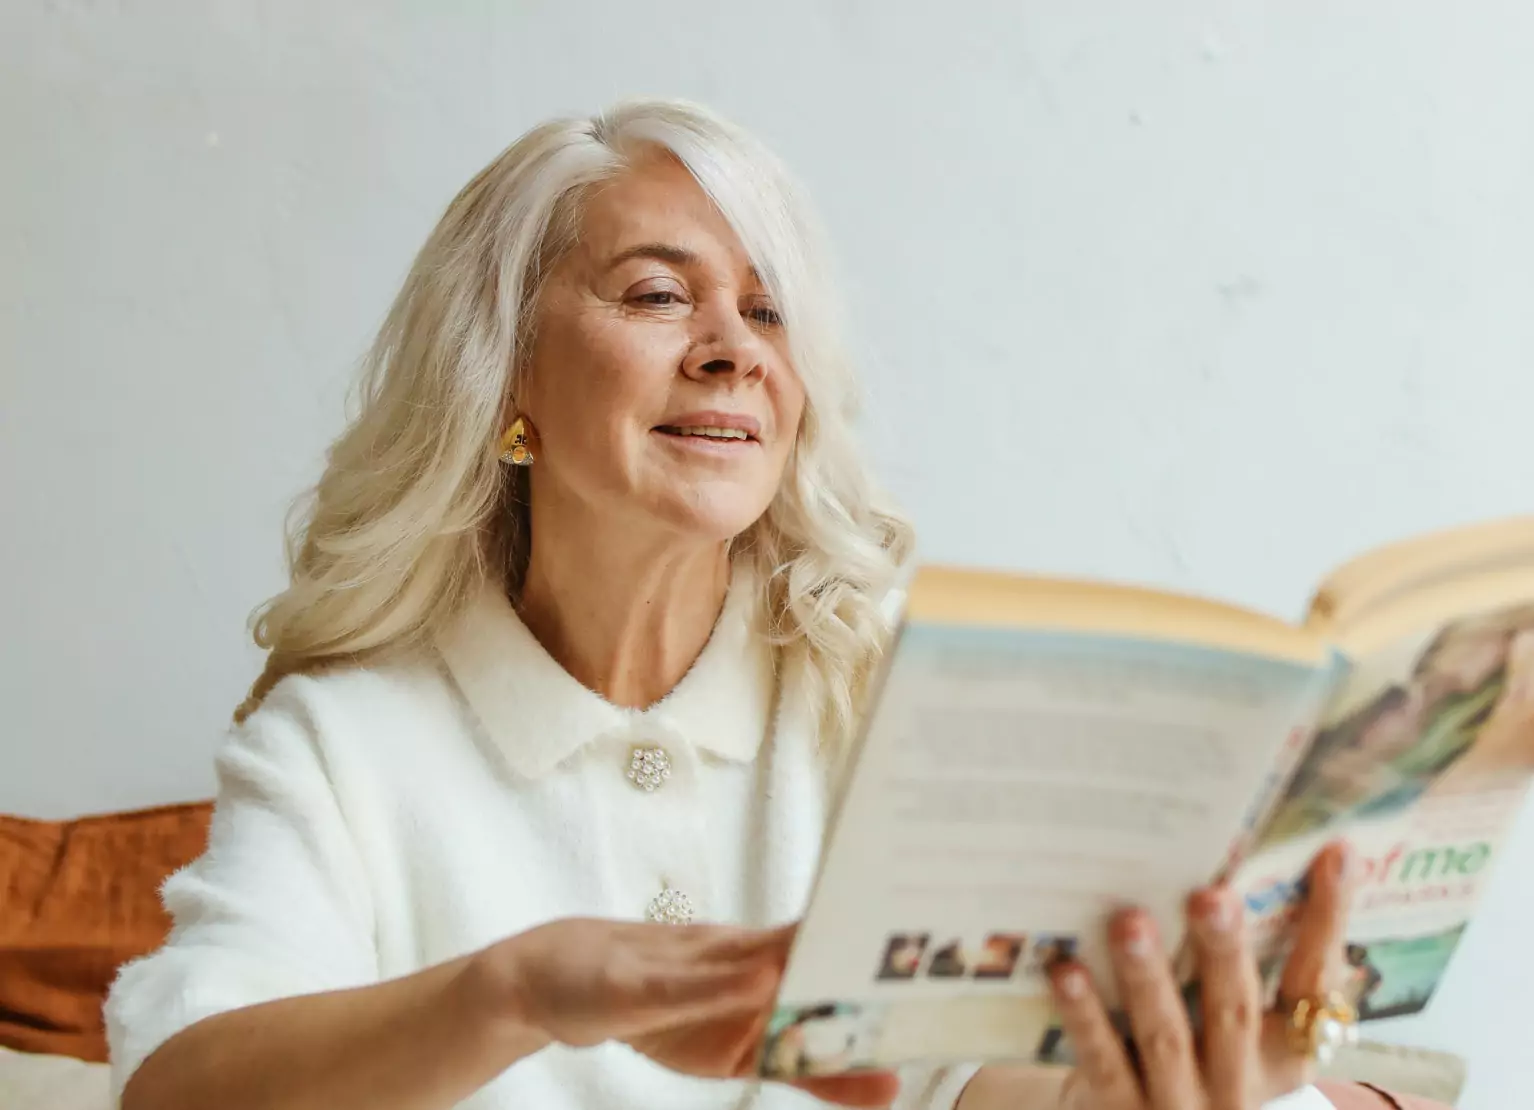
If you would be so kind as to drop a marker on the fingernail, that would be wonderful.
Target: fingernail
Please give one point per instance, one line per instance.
(1137, 941)
(1220, 911)
(1072, 983)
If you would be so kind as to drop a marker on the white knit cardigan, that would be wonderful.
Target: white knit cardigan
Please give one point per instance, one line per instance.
(371, 822)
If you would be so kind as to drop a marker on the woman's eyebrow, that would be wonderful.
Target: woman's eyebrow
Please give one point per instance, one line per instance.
(669, 253)
(661, 252)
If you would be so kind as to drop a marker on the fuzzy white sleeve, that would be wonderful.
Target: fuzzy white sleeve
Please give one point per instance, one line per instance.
(933, 1088)
(1306, 1098)
(275, 907)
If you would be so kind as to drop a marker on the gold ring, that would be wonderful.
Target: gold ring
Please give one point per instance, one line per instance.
(1321, 1024)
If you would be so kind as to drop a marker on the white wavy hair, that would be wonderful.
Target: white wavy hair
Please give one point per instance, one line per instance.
(413, 510)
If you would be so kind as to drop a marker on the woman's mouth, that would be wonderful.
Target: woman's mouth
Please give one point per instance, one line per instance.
(706, 432)
(708, 441)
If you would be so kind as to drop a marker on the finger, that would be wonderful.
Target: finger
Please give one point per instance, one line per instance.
(674, 996)
(666, 964)
(772, 944)
(1157, 1017)
(723, 942)
(725, 938)
(863, 1089)
(732, 966)
(1230, 996)
(1321, 928)
(672, 985)
(1102, 1065)
(716, 973)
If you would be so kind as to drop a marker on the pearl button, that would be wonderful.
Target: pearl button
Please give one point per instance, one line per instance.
(670, 907)
(649, 768)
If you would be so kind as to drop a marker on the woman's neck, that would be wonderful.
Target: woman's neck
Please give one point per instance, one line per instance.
(624, 619)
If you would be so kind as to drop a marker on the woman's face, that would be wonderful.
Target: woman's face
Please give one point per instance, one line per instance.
(659, 385)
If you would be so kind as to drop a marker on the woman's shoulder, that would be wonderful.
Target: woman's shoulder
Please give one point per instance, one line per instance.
(354, 702)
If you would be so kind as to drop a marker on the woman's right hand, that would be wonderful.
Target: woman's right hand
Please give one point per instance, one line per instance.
(694, 998)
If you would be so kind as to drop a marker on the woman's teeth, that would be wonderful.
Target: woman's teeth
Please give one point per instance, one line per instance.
(709, 433)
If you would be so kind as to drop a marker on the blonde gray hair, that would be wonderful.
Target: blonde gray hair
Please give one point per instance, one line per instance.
(413, 510)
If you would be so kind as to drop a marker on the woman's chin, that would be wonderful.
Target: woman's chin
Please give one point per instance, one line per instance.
(714, 512)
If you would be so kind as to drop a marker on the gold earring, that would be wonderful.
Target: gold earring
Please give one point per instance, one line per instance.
(514, 446)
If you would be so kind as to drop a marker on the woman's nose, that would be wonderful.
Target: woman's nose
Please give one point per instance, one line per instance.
(730, 347)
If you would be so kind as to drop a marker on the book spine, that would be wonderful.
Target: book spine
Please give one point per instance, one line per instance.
(1276, 785)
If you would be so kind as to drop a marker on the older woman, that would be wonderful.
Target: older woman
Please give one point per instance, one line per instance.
(580, 619)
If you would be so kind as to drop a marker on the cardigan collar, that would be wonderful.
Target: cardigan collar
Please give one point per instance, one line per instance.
(538, 714)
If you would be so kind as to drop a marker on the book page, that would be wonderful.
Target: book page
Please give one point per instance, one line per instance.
(1382, 578)
(1013, 788)
(1422, 762)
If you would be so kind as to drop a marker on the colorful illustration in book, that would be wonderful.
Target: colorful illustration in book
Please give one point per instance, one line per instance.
(999, 954)
(1048, 950)
(1465, 710)
(1413, 899)
(1393, 978)
(1361, 979)
(824, 1039)
(902, 955)
(950, 961)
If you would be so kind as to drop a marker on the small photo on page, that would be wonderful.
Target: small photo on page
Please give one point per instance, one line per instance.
(1048, 951)
(902, 955)
(827, 1038)
(999, 955)
(951, 961)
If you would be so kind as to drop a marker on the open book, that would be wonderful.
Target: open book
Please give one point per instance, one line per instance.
(1042, 752)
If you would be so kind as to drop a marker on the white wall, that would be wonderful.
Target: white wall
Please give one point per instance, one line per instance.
(1204, 294)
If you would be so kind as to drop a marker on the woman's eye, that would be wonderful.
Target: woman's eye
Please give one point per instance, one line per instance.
(766, 315)
(659, 297)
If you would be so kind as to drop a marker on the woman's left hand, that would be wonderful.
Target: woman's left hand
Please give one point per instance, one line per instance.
(1243, 1056)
